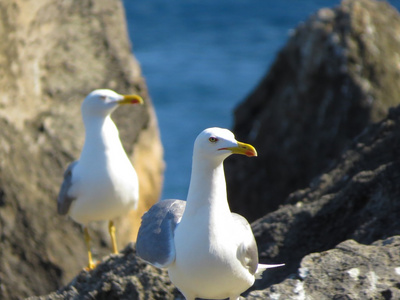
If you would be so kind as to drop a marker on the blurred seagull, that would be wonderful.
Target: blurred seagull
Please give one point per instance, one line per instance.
(209, 251)
(102, 184)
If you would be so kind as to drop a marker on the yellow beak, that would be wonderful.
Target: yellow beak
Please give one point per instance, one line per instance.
(131, 99)
(242, 148)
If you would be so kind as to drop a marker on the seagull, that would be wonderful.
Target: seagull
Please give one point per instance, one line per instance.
(102, 184)
(209, 251)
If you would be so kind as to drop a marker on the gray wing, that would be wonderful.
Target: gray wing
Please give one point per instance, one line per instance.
(155, 240)
(64, 201)
(247, 251)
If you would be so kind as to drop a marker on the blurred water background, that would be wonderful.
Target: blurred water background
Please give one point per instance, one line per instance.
(201, 58)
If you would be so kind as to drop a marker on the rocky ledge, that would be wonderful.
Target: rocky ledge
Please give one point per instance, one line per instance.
(349, 271)
(122, 276)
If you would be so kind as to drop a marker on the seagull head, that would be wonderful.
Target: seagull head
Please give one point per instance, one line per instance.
(218, 143)
(103, 102)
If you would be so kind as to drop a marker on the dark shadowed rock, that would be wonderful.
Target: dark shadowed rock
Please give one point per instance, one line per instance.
(52, 54)
(121, 276)
(338, 72)
(349, 271)
(357, 199)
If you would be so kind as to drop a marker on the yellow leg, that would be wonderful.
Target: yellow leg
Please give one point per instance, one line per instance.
(87, 241)
(111, 230)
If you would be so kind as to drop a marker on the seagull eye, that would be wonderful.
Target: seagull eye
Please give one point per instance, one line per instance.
(103, 98)
(213, 139)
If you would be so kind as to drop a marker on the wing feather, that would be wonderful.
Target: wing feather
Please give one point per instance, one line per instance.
(247, 252)
(64, 200)
(155, 241)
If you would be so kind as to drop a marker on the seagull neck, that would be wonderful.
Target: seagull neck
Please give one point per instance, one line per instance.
(100, 132)
(207, 188)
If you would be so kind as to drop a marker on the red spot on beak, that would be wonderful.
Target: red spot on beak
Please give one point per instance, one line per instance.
(249, 153)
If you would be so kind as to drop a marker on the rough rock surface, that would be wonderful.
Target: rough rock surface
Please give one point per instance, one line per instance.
(349, 271)
(357, 199)
(121, 276)
(52, 54)
(338, 72)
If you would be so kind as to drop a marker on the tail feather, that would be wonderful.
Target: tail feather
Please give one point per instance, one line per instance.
(262, 267)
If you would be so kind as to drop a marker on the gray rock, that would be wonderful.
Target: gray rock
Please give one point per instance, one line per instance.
(337, 73)
(121, 276)
(357, 199)
(349, 271)
(52, 54)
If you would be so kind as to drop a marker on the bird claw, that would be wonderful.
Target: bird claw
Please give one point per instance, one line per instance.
(91, 266)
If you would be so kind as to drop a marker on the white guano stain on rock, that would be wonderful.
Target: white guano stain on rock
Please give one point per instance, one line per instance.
(354, 273)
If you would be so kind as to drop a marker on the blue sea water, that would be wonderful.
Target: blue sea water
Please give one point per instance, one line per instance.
(201, 58)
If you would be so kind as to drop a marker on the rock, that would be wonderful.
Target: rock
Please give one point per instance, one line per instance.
(338, 73)
(121, 276)
(349, 271)
(357, 199)
(52, 55)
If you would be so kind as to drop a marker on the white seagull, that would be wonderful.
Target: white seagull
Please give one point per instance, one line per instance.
(209, 251)
(102, 184)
